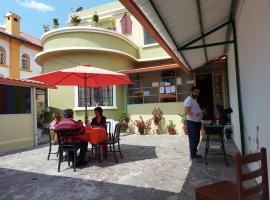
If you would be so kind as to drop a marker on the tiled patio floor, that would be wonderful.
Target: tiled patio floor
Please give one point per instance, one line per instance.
(154, 167)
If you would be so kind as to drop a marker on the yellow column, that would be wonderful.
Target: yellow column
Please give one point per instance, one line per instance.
(14, 70)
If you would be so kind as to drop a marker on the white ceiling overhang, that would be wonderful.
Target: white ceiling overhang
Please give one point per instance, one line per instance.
(197, 31)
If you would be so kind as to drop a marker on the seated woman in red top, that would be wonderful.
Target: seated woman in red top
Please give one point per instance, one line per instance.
(99, 121)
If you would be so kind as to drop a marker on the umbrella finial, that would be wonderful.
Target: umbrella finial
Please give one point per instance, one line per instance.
(86, 65)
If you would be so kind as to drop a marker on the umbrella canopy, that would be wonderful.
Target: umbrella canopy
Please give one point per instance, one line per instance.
(84, 75)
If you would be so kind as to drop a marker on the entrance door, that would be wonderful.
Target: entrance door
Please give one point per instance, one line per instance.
(205, 83)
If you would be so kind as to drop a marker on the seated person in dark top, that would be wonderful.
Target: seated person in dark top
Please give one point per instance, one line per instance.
(99, 121)
(69, 124)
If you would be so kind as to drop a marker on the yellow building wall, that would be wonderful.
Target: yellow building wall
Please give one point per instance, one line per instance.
(18, 136)
(170, 111)
(14, 69)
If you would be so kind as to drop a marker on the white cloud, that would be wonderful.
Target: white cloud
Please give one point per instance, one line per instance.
(33, 4)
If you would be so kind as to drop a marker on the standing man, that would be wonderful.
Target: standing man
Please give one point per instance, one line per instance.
(194, 117)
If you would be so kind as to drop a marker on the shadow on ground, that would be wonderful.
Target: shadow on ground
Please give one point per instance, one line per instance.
(33, 186)
(131, 153)
(203, 174)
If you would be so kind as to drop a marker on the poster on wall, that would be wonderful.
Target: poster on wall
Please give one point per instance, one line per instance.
(161, 90)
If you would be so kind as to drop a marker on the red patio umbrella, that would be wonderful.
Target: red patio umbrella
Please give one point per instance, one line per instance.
(85, 76)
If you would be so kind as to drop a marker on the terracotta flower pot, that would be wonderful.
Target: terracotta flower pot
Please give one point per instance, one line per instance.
(141, 132)
(171, 131)
(127, 120)
(156, 122)
(184, 127)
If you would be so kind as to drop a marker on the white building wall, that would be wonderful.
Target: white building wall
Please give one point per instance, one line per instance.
(5, 70)
(253, 31)
(35, 68)
(5, 44)
(233, 99)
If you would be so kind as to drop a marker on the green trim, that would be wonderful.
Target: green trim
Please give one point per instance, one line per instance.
(207, 45)
(169, 33)
(125, 98)
(204, 35)
(201, 27)
(239, 96)
(226, 80)
(231, 17)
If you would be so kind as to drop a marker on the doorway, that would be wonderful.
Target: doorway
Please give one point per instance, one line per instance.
(205, 100)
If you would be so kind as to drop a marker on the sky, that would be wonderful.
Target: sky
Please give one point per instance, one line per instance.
(35, 13)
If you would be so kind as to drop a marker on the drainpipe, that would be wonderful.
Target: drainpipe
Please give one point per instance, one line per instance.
(238, 84)
(125, 98)
(34, 112)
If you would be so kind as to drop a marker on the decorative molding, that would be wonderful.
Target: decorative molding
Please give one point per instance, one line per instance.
(84, 49)
(73, 29)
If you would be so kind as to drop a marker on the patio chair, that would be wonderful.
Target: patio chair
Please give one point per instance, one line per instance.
(50, 147)
(109, 134)
(115, 139)
(227, 190)
(64, 138)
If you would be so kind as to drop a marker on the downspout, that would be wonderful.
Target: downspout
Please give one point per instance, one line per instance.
(125, 99)
(34, 112)
(238, 84)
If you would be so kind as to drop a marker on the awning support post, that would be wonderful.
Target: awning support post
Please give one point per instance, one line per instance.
(238, 85)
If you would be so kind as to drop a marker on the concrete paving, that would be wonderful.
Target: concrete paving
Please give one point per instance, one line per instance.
(154, 167)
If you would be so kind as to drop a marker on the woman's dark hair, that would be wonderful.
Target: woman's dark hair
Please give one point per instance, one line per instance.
(99, 109)
(194, 88)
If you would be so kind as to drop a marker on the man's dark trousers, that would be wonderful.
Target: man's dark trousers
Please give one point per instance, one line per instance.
(193, 129)
(83, 146)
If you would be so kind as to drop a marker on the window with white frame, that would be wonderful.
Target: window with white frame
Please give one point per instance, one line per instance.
(2, 56)
(101, 96)
(25, 62)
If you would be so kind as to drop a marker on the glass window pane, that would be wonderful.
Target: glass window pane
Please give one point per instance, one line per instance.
(96, 96)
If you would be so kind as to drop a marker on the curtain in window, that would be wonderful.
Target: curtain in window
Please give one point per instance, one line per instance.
(102, 96)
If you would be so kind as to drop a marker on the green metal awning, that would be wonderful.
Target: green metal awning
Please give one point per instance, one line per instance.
(198, 31)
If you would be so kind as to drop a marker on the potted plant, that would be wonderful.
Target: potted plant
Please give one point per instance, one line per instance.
(113, 23)
(55, 23)
(157, 115)
(95, 18)
(184, 122)
(124, 121)
(75, 20)
(171, 128)
(143, 126)
(125, 117)
(46, 28)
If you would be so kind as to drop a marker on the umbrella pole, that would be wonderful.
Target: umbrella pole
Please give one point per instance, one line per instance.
(85, 101)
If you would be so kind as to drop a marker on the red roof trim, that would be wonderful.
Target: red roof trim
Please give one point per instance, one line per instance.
(150, 69)
(139, 15)
(23, 37)
(24, 83)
